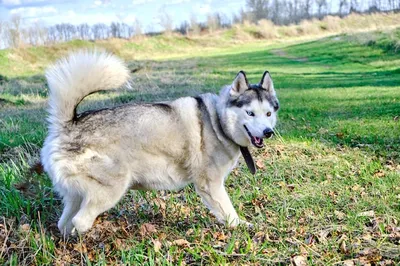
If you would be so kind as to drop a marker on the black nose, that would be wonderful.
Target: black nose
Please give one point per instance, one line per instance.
(268, 132)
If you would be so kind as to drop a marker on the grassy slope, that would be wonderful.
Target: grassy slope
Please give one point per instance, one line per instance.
(329, 191)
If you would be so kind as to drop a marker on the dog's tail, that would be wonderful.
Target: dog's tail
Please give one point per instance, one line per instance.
(81, 73)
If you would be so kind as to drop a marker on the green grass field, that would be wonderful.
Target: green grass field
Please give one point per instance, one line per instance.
(326, 193)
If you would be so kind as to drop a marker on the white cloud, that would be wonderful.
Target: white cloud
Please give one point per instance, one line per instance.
(11, 2)
(140, 2)
(176, 2)
(34, 11)
(26, 3)
(99, 3)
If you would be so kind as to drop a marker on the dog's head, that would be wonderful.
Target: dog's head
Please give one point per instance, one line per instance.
(249, 110)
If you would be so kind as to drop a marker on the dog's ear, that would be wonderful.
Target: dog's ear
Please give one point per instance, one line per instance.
(266, 83)
(240, 84)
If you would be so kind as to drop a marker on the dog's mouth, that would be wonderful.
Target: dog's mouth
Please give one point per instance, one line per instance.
(256, 141)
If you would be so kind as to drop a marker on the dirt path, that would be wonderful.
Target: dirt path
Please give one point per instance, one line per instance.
(282, 53)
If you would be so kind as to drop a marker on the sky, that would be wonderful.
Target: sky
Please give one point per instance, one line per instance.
(147, 12)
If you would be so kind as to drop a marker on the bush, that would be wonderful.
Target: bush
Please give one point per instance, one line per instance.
(267, 29)
(309, 27)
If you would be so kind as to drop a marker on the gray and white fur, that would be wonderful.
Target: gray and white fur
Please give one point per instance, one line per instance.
(94, 157)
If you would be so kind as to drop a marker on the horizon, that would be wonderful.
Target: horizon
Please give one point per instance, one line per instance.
(145, 12)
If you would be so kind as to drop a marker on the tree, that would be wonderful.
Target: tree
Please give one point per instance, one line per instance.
(214, 22)
(194, 25)
(166, 21)
(84, 31)
(2, 33)
(14, 31)
(137, 28)
(307, 8)
(115, 29)
(342, 5)
(259, 9)
(184, 28)
(320, 5)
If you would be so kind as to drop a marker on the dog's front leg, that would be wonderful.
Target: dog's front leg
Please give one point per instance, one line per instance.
(216, 198)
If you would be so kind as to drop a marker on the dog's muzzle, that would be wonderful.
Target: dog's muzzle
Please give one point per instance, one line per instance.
(268, 133)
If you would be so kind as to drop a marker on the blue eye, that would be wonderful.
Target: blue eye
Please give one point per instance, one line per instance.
(250, 113)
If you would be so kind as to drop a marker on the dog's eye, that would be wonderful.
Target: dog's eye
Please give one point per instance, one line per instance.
(269, 114)
(250, 113)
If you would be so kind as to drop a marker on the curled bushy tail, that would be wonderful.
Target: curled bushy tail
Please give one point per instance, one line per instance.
(81, 73)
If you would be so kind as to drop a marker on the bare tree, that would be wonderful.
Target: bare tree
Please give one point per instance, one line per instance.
(343, 4)
(320, 5)
(84, 31)
(2, 34)
(194, 25)
(115, 28)
(166, 21)
(354, 6)
(14, 31)
(137, 28)
(276, 11)
(259, 9)
(184, 28)
(214, 22)
(307, 8)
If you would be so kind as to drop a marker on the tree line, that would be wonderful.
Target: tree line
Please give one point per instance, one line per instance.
(280, 12)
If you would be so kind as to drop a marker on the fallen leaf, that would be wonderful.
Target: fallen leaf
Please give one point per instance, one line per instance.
(119, 244)
(323, 234)
(343, 247)
(348, 263)
(25, 228)
(189, 232)
(366, 214)
(340, 135)
(220, 236)
(309, 240)
(340, 215)
(370, 255)
(147, 229)
(300, 260)
(379, 174)
(181, 243)
(157, 245)
(160, 203)
(80, 247)
(259, 237)
(291, 187)
(260, 164)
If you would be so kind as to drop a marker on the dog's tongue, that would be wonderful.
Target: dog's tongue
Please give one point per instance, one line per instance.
(257, 140)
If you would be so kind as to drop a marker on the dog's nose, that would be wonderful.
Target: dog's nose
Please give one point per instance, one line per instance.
(268, 132)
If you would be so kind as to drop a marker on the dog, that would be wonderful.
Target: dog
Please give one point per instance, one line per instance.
(94, 157)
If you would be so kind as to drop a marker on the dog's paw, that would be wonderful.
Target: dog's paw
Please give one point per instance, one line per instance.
(245, 224)
(239, 222)
(80, 225)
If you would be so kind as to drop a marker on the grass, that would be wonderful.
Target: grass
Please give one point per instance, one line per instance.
(327, 192)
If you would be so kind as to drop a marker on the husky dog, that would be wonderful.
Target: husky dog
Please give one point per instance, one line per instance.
(94, 157)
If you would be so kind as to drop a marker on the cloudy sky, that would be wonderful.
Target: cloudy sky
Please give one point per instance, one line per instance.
(95, 11)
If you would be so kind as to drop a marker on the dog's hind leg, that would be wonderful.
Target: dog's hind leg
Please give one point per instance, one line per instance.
(72, 203)
(94, 203)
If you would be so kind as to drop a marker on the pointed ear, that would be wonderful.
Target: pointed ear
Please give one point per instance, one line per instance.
(240, 84)
(266, 83)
